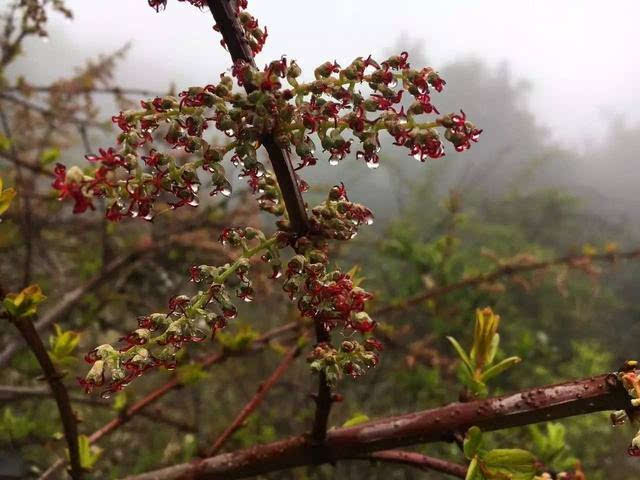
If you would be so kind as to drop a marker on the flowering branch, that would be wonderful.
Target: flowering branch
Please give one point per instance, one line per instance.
(574, 261)
(53, 377)
(603, 392)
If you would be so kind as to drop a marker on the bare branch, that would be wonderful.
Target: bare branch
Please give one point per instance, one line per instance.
(506, 270)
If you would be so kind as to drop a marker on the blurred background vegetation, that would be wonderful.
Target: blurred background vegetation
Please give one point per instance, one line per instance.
(516, 196)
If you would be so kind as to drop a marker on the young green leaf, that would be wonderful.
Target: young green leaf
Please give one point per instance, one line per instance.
(472, 442)
(499, 367)
(356, 419)
(462, 354)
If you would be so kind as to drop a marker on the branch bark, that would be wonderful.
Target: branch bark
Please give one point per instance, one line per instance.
(533, 405)
(54, 378)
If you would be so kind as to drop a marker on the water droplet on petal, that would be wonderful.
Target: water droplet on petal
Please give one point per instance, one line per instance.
(373, 165)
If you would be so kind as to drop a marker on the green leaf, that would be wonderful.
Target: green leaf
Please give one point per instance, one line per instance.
(462, 354)
(50, 155)
(23, 304)
(5, 143)
(63, 345)
(6, 196)
(191, 374)
(473, 472)
(89, 454)
(472, 442)
(499, 367)
(356, 419)
(120, 401)
(515, 463)
(493, 348)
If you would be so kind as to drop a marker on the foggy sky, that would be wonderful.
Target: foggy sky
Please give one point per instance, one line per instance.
(579, 55)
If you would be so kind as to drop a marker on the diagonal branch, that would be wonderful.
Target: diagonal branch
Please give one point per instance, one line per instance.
(256, 400)
(54, 378)
(419, 461)
(533, 405)
(507, 270)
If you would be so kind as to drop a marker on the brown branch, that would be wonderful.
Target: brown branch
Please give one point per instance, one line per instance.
(529, 406)
(70, 300)
(54, 378)
(10, 393)
(49, 114)
(506, 270)
(224, 13)
(419, 461)
(100, 90)
(23, 163)
(171, 385)
(256, 400)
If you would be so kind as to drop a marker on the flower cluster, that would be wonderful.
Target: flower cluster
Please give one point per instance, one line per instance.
(331, 110)
(352, 359)
(190, 319)
(135, 175)
(630, 380)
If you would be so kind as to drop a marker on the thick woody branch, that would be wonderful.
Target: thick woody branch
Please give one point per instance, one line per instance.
(256, 400)
(529, 406)
(59, 391)
(508, 270)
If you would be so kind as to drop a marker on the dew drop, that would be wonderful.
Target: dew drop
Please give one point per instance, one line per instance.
(226, 191)
(373, 165)
(106, 394)
(393, 83)
(229, 132)
(333, 161)
(194, 202)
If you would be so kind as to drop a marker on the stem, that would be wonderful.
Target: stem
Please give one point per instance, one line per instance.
(224, 13)
(529, 406)
(53, 377)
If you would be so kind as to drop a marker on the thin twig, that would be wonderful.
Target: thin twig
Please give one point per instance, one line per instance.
(54, 378)
(419, 461)
(49, 114)
(256, 400)
(505, 270)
